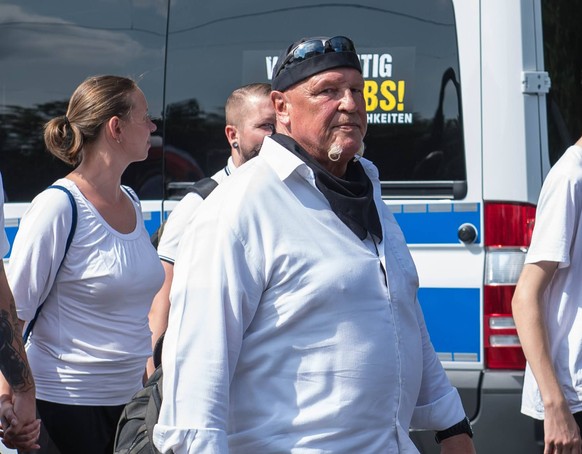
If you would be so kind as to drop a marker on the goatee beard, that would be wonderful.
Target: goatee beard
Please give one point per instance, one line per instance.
(335, 152)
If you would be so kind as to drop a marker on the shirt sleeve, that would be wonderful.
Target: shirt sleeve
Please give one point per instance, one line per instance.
(439, 405)
(556, 218)
(38, 250)
(175, 225)
(208, 318)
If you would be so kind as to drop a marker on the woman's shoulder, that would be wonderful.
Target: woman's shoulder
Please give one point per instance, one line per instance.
(56, 197)
(132, 194)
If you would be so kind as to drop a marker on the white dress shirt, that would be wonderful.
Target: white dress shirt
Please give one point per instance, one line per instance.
(287, 333)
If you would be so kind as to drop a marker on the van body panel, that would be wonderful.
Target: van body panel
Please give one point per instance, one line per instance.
(512, 120)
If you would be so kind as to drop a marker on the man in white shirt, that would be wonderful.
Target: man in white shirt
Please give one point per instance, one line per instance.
(249, 118)
(17, 393)
(294, 324)
(546, 307)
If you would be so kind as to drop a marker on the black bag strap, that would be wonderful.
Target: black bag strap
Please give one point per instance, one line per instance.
(157, 353)
(154, 405)
(204, 187)
(30, 325)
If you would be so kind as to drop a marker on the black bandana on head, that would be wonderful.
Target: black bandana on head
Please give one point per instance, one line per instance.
(351, 198)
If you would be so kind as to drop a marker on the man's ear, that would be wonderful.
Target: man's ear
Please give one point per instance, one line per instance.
(281, 104)
(231, 133)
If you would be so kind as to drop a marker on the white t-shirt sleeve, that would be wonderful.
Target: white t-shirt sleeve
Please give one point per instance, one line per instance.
(38, 250)
(174, 228)
(4, 245)
(556, 219)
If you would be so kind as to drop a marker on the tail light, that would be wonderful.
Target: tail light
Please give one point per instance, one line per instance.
(508, 229)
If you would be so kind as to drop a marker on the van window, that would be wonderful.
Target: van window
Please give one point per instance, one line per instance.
(46, 50)
(409, 57)
(188, 63)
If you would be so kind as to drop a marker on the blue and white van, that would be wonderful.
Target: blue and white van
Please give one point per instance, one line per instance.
(469, 103)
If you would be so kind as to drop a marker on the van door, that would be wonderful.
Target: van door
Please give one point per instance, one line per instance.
(505, 127)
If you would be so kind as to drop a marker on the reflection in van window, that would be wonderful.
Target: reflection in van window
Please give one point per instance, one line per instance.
(47, 50)
(189, 62)
(409, 58)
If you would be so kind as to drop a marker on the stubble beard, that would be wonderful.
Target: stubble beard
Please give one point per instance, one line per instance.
(247, 155)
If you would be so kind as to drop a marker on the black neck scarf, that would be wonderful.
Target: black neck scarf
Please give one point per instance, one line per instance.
(351, 198)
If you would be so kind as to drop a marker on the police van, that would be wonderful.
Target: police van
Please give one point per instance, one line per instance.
(469, 103)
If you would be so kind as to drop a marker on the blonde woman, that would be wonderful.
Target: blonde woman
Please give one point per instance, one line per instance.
(91, 340)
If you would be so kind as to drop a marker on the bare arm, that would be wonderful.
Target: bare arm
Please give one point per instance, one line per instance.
(459, 444)
(17, 391)
(13, 362)
(158, 316)
(560, 427)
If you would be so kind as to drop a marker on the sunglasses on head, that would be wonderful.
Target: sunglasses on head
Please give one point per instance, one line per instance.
(316, 46)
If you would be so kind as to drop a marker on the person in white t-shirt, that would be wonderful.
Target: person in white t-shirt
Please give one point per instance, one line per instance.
(547, 308)
(89, 346)
(249, 118)
(17, 394)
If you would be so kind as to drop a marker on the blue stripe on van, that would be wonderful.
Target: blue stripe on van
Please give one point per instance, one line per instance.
(436, 223)
(152, 220)
(11, 234)
(452, 318)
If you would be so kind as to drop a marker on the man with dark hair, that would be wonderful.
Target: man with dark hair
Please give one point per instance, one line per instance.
(249, 118)
(295, 325)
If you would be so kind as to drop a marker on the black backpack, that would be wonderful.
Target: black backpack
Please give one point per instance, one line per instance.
(135, 428)
(202, 187)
